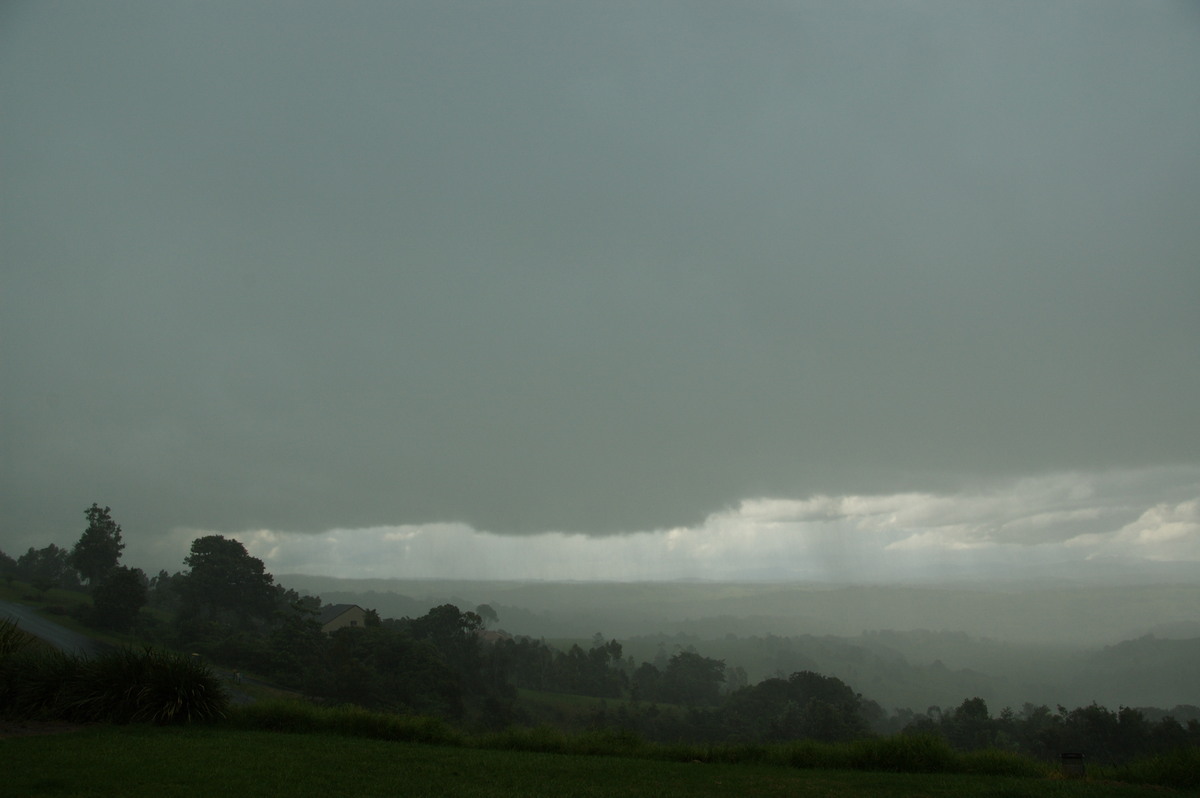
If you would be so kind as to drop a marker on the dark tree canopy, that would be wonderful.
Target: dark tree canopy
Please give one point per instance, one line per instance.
(8, 566)
(693, 679)
(117, 600)
(226, 582)
(805, 705)
(99, 548)
(447, 625)
(453, 632)
(47, 568)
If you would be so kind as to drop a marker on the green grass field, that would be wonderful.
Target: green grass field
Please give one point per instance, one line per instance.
(149, 762)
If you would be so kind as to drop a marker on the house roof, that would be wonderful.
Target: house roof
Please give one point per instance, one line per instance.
(331, 612)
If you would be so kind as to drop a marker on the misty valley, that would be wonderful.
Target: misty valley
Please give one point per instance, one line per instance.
(905, 647)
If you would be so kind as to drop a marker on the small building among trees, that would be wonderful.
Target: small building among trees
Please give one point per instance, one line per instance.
(338, 616)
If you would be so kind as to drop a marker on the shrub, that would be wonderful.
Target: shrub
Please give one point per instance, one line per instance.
(1179, 769)
(993, 762)
(12, 639)
(609, 742)
(903, 754)
(177, 689)
(118, 686)
(358, 722)
(277, 715)
(36, 682)
(813, 754)
(545, 739)
(302, 717)
(103, 689)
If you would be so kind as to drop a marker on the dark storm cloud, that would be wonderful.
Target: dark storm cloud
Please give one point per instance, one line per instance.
(586, 267)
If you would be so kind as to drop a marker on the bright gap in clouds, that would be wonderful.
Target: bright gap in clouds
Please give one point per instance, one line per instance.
(1056, 523)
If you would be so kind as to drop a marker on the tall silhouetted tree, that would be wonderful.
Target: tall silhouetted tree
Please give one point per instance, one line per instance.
(225, 583)
(99, 548)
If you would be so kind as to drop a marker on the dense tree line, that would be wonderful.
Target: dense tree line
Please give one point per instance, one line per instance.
(686, 679)
(1106, 736)
(44, 569)
(598, 672)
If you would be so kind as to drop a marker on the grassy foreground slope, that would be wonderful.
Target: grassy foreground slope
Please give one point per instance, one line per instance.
(148, 762)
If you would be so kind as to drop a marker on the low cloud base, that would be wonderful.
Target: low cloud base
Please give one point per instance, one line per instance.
(1128, 524)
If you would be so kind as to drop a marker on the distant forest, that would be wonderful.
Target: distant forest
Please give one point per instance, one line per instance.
(447, 661)
(775, 630)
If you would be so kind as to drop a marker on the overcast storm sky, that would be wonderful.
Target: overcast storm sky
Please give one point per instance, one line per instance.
(604, 290)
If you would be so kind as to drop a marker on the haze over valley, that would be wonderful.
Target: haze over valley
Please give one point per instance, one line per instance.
(904, 646)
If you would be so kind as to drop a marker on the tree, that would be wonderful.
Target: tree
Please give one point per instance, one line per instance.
(225, 583)
(487, 615)
(117, 600)
(805, 705)
(385, 668)
(453, 633)
(693, 679)
(47, 568)
(163, 593)
(970, 726)
(646, 683)
(8, 567)
(736, 679)
(99, 548)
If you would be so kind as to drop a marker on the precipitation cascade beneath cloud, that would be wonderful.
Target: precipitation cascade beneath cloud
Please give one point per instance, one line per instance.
(1060, 523)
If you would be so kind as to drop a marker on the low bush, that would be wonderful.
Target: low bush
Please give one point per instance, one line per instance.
(278, 715)
(811, 754)
(609, 742)
(903, 754)
(544, 739)
(36, 683)
(106, 688)
(177, 689)
(283, 715)
(12, 639)
(992, 762)
(1179, 769)
(359, 722)
(122, 685)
